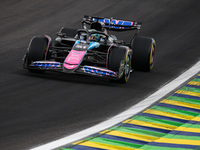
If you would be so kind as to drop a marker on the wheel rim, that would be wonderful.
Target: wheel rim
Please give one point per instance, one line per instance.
(127, 68)
(151, 61)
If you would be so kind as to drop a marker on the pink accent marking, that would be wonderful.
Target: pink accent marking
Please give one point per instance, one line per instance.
(73, 59)
(67, 66)
(100, 69)
(49, 40)
(108, 55)
(117, 21)
(132, 24)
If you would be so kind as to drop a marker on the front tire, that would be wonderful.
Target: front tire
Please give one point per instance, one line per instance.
(37, 50)
(120, 61)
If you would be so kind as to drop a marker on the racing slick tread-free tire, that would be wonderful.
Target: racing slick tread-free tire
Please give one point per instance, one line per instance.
(36, 51)
(120, 56)
(143, 53)
(70, 32)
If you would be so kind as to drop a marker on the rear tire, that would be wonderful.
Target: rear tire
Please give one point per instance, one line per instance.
(143, 53)
(70, 32)
(120, 61)
(36, 51)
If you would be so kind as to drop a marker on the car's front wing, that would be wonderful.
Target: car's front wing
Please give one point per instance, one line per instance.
(57, 66)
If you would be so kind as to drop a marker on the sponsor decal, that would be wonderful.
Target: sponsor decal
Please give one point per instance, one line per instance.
(81, 46)
(47, 65)
(98, 71)
(115, 22)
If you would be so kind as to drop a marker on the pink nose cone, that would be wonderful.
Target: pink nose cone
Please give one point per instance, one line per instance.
(73, 59)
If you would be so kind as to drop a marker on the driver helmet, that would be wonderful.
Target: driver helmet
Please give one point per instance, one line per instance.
(94, 37)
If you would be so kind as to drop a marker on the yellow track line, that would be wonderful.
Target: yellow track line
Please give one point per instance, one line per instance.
(184, 104)
(188, 93)
(167, 114)
(105, 146)
(194, 83)
(151, 124)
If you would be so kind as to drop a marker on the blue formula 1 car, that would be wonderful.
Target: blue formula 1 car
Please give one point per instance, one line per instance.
(92, 50)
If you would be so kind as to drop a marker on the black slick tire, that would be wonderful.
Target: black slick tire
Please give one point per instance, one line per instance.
(120, 61)
(143, 53)
(36, 51)
(70, 32)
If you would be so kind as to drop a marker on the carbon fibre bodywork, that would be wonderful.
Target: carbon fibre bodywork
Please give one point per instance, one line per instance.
(91, 50)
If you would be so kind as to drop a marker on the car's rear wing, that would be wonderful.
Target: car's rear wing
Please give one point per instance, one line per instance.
(113, 24)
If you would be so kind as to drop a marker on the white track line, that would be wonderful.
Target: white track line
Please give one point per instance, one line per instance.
(126, 114)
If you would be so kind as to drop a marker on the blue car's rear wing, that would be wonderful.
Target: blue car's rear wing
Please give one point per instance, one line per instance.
(113, 24)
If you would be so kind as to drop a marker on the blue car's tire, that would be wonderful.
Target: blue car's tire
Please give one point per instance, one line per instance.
(36, 51)
(70, 32)
(143, 53)
(120, 61)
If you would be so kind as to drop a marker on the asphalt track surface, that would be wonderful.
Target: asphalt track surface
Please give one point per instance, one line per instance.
(39, 108)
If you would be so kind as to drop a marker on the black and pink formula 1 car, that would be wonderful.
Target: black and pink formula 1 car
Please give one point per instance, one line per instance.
(92, 50)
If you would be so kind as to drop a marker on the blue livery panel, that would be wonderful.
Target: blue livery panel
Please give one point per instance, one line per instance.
(98, 71)
(114, 22)
(47, 65)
